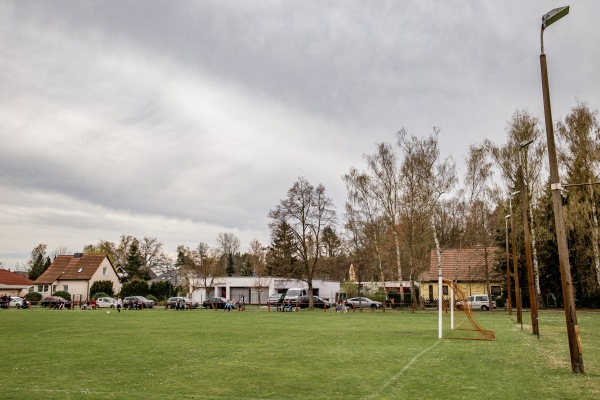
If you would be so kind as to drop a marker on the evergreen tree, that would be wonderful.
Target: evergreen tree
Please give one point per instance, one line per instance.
(135, 262)
(39, 262)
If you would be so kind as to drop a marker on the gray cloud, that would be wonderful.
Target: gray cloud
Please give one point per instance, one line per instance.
(186, 119)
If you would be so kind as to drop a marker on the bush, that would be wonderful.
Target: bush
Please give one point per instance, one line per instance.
(106, 287)
(62, 293)
(150, 297)
(135, 288)
(100, 294)
(33, 297)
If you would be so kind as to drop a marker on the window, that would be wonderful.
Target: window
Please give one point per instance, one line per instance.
(66, 288)
(104, 271)
(54, 287)
(42, 288)
(79, 270)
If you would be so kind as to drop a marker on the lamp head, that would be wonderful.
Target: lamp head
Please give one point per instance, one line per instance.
(515, 193)
(507, 217)
(554, 15)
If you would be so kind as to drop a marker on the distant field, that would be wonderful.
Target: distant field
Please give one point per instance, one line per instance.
(207, 354)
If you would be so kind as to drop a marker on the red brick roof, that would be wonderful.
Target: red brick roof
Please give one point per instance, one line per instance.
(466, 264)
(13, 279)
(71, 268)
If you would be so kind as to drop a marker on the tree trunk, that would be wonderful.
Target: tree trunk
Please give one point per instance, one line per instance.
(399, 264)
(595, 235)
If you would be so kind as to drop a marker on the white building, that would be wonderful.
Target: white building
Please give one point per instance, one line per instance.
(255, 289)
(76, 274)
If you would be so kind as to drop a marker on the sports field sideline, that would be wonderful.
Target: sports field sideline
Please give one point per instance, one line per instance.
(207, 354)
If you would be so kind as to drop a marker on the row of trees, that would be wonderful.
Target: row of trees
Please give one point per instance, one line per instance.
(406, 201)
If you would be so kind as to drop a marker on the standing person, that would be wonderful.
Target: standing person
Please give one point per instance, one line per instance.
(119, 304)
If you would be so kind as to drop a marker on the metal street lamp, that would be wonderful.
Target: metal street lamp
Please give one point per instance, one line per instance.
(508, 300)
(561, 237)
(524, 205)
(515, 264)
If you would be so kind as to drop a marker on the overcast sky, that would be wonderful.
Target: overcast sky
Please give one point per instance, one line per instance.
(181, 120)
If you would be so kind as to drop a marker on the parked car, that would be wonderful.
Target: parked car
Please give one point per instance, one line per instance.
(106, 302)
(54, 302)
(172, 302)
(318, 302)
(131, 301)
(476, 302)
(215, 302)
(276, 299)
(16, 302)
(363, 302)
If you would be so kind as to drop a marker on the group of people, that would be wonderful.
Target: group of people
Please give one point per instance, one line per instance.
(5, 301)
(89, 304)
(180, 304)
(230, 305)
(341, 306)
(286, 306)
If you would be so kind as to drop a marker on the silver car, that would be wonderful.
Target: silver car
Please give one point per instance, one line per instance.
(363, 302)
(106, 302)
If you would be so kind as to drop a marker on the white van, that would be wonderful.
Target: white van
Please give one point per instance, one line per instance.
(476, 302)
(292, 294)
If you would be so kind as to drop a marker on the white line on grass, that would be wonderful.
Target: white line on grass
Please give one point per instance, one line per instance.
(397, 375)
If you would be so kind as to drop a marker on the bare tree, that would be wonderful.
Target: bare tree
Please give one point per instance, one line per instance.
(521, 128)
(385, 188)
(201, 269)
(481, 222)
(307, 210)
(257, 260)
(428, 175)
(364, 215)
(580, 155)
(153, 257)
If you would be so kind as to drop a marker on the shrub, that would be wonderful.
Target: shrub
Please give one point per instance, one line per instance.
(33, 297)
(151, 297)
(105, 287)
(135, 288)
(62, 293)
(100, 294)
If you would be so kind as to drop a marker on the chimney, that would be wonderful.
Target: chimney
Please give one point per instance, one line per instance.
(77, 255)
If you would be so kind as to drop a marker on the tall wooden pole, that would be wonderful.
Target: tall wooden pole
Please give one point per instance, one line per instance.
(515, 267)
(508, 300)
(532, 292)
(561, 237)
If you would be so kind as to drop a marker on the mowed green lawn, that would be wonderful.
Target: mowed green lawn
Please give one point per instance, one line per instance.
(207, 354)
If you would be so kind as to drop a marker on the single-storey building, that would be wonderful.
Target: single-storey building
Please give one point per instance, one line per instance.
(255, 289)
(13, 284)
(76, 274)
(471, 268)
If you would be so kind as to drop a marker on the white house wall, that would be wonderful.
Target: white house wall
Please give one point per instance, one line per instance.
(251, 288)
(80, 289)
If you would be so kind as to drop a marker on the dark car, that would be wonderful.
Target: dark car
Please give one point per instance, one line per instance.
(55, 302)
(137, 302)
(276, 299)
(215, 302)
(172, 302)
(318, 302)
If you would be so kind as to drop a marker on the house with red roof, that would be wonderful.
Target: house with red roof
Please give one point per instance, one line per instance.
(472, 269)
(13, 284)
(76, 274)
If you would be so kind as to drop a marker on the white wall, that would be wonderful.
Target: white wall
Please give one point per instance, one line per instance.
(269, 285)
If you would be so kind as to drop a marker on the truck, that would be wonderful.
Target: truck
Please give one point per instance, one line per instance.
(292, 294)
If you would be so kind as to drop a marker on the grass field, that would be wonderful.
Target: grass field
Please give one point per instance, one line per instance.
(207, 354)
